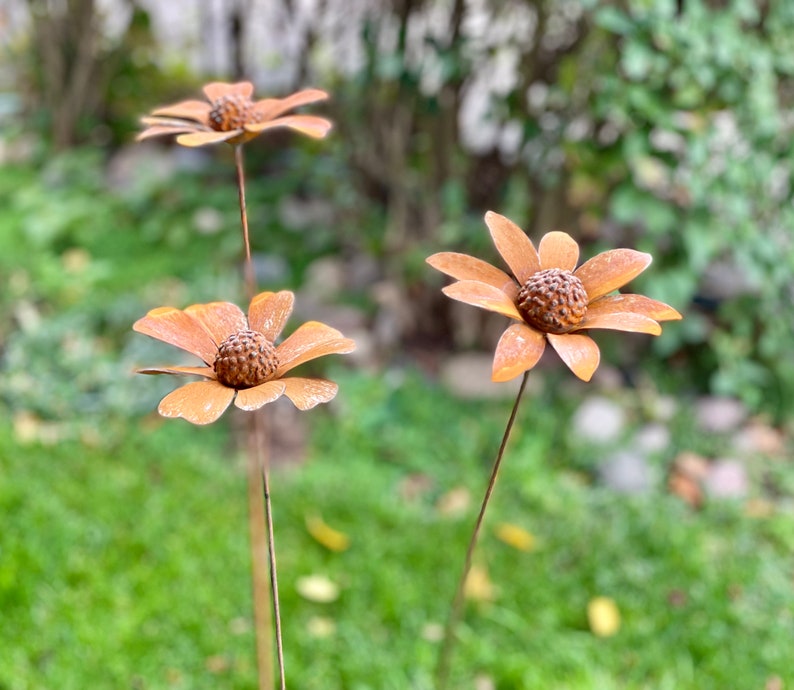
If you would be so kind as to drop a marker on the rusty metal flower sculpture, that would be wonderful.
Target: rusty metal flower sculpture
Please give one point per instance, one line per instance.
(229, 114)
(241, 361)
(550, 299)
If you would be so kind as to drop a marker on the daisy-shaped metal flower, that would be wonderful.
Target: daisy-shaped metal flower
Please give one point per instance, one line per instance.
(550, 299)
(241, 360)
(229, 114)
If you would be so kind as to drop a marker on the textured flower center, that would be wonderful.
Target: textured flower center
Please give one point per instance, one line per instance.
(232, 112)
(553, 301)
(245, 359)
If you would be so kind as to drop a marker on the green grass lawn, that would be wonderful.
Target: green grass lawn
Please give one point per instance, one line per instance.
(124, 556)
(124, 561)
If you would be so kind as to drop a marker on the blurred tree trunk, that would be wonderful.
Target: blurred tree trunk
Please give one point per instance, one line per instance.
(238, 17)
(67, 63)
(404, 140)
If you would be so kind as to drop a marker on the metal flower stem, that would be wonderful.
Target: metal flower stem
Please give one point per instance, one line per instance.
(257, 518)
(260, 512)
(445, 655)
(250, 275)
(271, 540)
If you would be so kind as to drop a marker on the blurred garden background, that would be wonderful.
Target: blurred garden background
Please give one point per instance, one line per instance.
(663, 489)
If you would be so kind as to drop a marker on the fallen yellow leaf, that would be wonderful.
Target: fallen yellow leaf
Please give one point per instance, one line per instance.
(216, 663)
(454, 503)
(321, 627)
(603, 616)
(478, 585)
(433, 632)
(515, 536)
(317, 588)
(331, 539)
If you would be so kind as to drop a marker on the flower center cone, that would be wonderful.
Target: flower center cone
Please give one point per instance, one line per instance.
(553, 301)
(231, 112)
(245, 359)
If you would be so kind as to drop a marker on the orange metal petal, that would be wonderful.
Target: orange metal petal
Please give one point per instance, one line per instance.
(626, 321)
(269, 311)
(268, 108)
(578, 351)
(638, 304)
(519, 349)
(162, 130)
(465, 267)
(218, 89)
(206, 372)
(205, 138)
(220, 319)
(173, 122)
(611, 270)
(256, 397)
(310, 125)
(199, 403)
(175, 327)
(484, 296)
(558, 250)
(308, 393)
(189, 110)
(515, 247)
(311, 340)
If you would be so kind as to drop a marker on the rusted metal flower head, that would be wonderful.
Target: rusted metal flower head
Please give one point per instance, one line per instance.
(229, 114)
(241, 360)
(551, 299)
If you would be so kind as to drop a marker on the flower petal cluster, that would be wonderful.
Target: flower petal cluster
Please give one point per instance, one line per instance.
(229, 114)
(550, 299)
(204, 329)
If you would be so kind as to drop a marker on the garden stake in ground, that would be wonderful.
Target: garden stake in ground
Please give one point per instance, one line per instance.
(241, 360)
(553, 302)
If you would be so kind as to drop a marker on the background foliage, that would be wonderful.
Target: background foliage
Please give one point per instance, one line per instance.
(655, 124)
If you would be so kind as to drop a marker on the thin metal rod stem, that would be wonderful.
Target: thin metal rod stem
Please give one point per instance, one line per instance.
(271, 545)
(261, 520)
(250, 275)
(263, 614)
(444, 658)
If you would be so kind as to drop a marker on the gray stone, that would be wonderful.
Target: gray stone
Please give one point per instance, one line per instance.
(208, 220)
(726, 478)
(627, 472)
(468, 376)
(394, 315)
(598, 419)
(607, 378)
(652, 438)
(361, 271)
(366, 354)
(270, 268)
(719, 414)
(299, 214)
(146, 160)
(663, 408)
(324, 277)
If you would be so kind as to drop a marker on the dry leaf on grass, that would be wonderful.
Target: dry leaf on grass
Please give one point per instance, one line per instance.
(320, 627)
(317, 588)
(478, 585)
(516, 536)
(455, 502)
(331, 539)
(603, 616)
